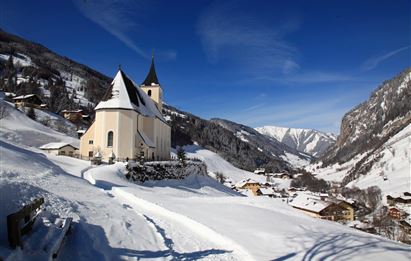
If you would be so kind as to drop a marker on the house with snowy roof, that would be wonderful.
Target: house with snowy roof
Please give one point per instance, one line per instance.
(129, 123)
(249, 184)
(324, 208)
(29, 100)
(60, 148)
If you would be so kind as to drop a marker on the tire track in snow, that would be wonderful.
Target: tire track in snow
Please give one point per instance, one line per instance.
(191, 225)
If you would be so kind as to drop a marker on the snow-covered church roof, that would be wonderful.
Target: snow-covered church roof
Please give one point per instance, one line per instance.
(125, 94)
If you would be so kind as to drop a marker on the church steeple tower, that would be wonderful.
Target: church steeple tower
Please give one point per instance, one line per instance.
(152, 75)
(152, 86)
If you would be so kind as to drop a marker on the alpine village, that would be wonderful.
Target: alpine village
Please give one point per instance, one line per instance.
(109, 164)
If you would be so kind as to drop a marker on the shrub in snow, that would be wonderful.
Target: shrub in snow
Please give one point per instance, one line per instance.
(31, 114)
(220, 177)
(164, 170)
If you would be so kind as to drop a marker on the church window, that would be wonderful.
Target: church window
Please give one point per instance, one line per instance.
(90, 141)
(149, 93)
(110, 139)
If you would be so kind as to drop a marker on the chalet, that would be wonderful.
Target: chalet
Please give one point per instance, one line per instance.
(249, 184)
(395, 213)
(281, 175)
(259, 171)
(266, 191)
(60, 148)
(405, 225)
(335, 210)
(29, 100)
(403, 198)
(129, 122)
(73, 115)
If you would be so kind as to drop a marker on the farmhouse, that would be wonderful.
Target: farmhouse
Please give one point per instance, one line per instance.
(403, 198)
(29, 100)
(395, 213)
(267, 192)
(335, 210)
(129, 122)
(249, 184)
(59, 148)
(73, 115)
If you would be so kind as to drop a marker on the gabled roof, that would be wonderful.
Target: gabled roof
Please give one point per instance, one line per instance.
(125, 94)
(245, 181)
(267, 191)
(56, 146)
(151, 76)
(309, 203)
(21, 97)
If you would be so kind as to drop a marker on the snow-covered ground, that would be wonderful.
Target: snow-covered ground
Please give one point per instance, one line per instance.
(17, 128)
(216, 163)
(392, 172)
(191, 219)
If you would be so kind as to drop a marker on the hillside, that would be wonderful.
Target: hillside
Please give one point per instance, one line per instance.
(310, 141)
(266, 144)
(28, 67)
(373, 147)
(187, 128)
(372, 123)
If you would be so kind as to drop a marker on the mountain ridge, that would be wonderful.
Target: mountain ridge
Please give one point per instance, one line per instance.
(310, 141)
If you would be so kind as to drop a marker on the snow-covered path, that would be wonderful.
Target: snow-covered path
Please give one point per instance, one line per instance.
(254, 228)
(183, 237)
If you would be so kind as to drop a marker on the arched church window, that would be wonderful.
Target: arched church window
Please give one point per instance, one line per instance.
(149, 93)
(110, 139)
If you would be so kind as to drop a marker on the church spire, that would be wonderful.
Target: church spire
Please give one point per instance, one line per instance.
(151, 76)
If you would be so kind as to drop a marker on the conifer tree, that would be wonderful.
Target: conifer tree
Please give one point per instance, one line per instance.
(181, 155)
(31, 114)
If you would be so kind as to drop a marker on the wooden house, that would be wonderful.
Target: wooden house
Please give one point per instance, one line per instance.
(73, 115)
(60, 148)
(29, 100)
(249, 184)
(335, 210)
(267, 192)
(395, 213)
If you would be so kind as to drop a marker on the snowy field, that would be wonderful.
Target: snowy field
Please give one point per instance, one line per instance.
(196, 218)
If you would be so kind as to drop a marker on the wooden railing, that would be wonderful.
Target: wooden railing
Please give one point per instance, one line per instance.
(22, 221)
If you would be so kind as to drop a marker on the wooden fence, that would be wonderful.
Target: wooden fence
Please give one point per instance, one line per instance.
(22, 221)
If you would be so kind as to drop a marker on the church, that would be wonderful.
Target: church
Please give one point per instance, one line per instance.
(129, 123)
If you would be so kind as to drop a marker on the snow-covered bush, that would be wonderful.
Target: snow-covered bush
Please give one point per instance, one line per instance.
(157, 170)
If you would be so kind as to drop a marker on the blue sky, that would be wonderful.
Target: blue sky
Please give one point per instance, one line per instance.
(286, 63)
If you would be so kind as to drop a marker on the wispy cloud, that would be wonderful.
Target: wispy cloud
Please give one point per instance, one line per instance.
(228, 33)
(322, 114)
(311, 77)
(373, 62)
(118, 17)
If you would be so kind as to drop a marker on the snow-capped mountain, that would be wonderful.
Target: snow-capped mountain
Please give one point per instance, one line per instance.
(310, 141)
(374, 145)
(265, 144)
(240, 145)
